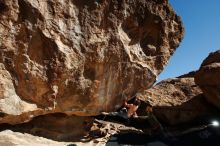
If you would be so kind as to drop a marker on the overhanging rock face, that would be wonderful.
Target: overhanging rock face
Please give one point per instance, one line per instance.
(79, 56)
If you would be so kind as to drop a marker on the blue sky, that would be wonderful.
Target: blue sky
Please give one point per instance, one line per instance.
(201, 20)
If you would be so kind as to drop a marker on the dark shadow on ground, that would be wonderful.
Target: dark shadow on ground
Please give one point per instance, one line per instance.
(186, 112)
(191, 135)
(132, 139)
(56, 126)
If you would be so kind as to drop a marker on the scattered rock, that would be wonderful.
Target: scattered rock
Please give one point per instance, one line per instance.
(208, 78)
(25, 138)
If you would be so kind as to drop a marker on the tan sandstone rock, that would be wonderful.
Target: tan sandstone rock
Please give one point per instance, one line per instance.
(177, 100)
(10, 138)
(56, 126)
(79, 56)
(36, 132)
(208, 78)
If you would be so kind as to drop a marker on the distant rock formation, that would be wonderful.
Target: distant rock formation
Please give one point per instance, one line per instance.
(177, 100)
(208, 78)
(79, 56)
(180, 100)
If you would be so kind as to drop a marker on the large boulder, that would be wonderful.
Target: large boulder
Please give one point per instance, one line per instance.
(208, 78)
(177, 100)
(79, 56)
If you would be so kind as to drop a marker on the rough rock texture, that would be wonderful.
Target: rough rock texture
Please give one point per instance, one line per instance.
(79, 56)
(208, 78)
(177, 100)
(56, 126)
(10, 138)
(99, 134)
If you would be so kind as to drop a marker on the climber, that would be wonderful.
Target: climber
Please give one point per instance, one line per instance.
(154, 123)
(128, 110)
(132, 108)
(154, 126)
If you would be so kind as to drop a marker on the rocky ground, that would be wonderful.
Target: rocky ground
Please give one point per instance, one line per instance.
(100, 133)
(105, 133)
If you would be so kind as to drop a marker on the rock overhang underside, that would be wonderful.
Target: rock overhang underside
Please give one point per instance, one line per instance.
(81, 57)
